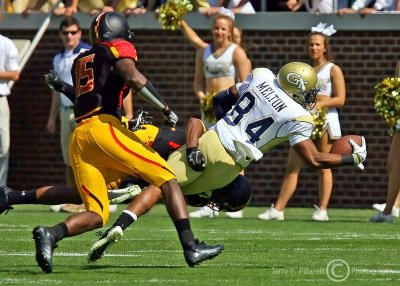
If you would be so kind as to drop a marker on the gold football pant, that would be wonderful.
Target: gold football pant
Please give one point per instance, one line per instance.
(220, 170)
(103, 152)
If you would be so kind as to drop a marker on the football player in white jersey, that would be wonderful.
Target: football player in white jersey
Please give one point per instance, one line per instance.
(263, 111)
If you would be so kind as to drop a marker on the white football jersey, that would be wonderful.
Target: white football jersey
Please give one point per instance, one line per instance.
(263, 117)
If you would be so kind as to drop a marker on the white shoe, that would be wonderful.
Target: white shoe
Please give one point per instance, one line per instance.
(108, 238)
(56, 208)
(113, 208)
(272, 214)
(381, 207)
(238, 214)
(320, 214)
(118, 196)
(380, 217)
(204, 212)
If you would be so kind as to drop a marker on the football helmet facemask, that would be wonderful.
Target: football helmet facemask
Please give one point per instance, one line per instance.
(108, 26)
(299, 81)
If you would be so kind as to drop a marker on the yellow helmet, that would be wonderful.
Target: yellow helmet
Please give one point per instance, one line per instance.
(299, 80)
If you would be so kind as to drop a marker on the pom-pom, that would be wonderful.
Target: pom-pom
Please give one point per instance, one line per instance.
(208, 109)
(320, 123)
(387, 101)
(171, 12)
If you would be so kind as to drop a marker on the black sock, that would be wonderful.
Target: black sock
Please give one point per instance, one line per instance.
(22, 197)
(124, 220)
(185, 233)
(58, 231)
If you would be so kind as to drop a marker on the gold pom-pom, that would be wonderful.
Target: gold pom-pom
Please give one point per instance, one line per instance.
(320, 123)
(208, 109)
(387, 101)
(171, 12)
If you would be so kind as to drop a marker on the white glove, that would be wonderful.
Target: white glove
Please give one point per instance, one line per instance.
(359, 152)
(170, 116)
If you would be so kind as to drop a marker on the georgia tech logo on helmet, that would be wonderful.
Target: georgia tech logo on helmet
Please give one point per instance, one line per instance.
(297, 80)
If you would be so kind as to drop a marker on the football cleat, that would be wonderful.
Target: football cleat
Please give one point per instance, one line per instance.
(4, 205)
(107, 238)
(380, 217)
(120, 195)
(45, 244)
(200, 252)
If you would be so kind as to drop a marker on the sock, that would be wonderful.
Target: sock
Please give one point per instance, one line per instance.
(59, 231)
(185, 233)
(22, 197)
(125, 219)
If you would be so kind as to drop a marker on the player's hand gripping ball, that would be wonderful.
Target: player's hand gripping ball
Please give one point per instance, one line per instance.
(342, 145)
(354, 145)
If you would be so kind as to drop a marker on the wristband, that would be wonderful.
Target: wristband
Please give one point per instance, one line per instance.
(348, 160)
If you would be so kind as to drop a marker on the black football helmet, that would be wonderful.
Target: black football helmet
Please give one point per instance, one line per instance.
(108, 26)
(230, 198)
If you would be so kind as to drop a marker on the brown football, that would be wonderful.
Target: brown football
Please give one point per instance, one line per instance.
(342, 145)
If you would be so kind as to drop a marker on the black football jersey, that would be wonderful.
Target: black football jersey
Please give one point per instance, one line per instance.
(98, 88)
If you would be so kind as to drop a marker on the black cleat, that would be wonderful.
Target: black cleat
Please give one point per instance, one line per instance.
(4, 205)
(45, 244)
(200, 252)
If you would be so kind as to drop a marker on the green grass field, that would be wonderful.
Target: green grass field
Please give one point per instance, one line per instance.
(348, 250)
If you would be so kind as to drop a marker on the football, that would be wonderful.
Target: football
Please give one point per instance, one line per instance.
(342, 145)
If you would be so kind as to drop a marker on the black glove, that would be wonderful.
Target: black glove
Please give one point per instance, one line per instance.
(195, 159)
(141, 117)
(53, 80)
(170, 116)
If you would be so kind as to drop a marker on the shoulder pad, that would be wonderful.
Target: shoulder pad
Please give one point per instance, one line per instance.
(122, 49)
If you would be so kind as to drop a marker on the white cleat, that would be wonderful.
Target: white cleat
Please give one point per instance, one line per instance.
(107, 238)
(272, 214)
(120, 195)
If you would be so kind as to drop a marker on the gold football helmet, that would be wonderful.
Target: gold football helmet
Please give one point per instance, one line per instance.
(300, 82)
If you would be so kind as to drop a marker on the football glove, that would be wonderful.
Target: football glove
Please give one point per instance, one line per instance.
(170, 116)
(195, 159)
(53, 80)
(359, 152)
(141, 117)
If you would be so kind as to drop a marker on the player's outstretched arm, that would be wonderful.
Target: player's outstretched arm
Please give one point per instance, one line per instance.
(309, 153)
(126, 67)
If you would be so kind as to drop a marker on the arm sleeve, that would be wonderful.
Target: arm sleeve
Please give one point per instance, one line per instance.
(223, 102)
(149, 93)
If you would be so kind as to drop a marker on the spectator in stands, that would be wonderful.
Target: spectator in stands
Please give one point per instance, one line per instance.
(9, 71)
(368, 7)
(237, 6)
(332, 94)
(281, 5)
(92, 7)
(317, 6)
